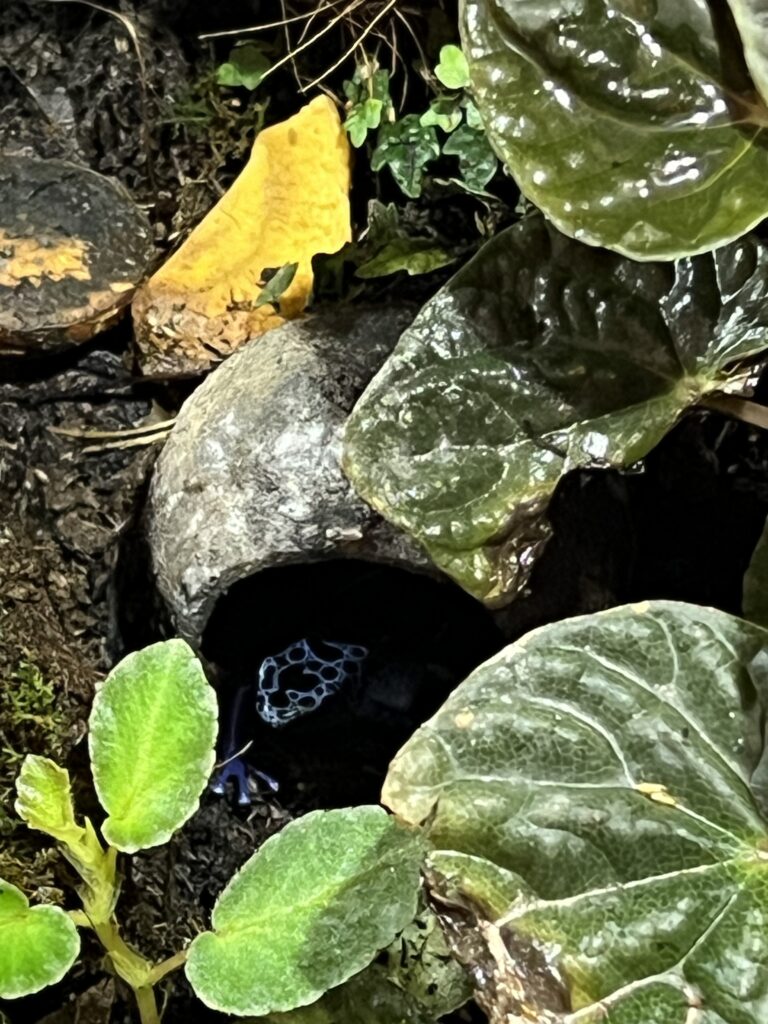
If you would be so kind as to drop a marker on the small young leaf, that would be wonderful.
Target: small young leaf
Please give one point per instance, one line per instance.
(472, 115)
(246, 67)
(414, 255)
(38, 945)
(477, 161)
(444, 112)
(368, 94)
(151, 740)
(276, 285)
(406, 147)
(361, 119)
(453, 70)
(45, 799)
(309, 909)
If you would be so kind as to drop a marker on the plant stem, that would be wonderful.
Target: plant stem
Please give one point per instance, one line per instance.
(171, 964)
(145, 1000)
(740, 408)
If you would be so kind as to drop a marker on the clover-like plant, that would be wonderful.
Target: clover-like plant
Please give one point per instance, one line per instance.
(312, 907)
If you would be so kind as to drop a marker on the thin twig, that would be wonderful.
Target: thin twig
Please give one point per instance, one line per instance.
(345, 56)
(313, 39)
(109, 435)
(287, 33)
(271, 24)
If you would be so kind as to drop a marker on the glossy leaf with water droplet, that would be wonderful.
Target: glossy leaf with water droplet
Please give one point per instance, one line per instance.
(590, 787)
(616, 120)
(539, 356)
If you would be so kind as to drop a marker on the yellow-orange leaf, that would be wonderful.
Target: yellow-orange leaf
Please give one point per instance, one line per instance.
(290, 202)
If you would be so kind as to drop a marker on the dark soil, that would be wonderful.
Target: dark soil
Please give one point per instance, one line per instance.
(76, 591)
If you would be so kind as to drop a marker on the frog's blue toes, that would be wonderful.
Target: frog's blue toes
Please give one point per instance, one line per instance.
(238, 771)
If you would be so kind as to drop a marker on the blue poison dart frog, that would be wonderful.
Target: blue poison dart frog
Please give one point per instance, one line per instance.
(289, 684)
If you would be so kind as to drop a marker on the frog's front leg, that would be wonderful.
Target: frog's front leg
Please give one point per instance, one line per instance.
(237, 770)
(234, 767)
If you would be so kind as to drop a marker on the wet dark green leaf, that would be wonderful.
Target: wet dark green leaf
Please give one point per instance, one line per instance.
(406, 147)
(755, 598)
(413, 255)
(477, 161)
(276, 285)
(539, 356)
(589, 788)
(614, 120)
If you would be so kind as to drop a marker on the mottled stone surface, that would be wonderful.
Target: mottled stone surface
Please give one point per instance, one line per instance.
(73, 248)
(250, 477)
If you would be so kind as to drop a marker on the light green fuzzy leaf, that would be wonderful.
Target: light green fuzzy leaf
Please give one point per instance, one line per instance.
(45, 799)
(406, 147)
(38, 945)
(246, 67)
(755, 598)
(310, 909)
(751, 17)
(368, 998)
(477, 161)
(152, 732)
(414, 981)
(271, 292)
(453, 70)
(539, 356)
(413, 255)
(607, 762)
(616, 120)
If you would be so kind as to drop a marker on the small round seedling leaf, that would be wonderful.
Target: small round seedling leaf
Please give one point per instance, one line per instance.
(541, 355)
(152, 735)
(38, 945)
(590, 790)
(623, 122)
(311, 908)
(246, 67)
(453, 70)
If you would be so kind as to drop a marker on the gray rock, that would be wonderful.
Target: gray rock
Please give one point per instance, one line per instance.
(250, 477)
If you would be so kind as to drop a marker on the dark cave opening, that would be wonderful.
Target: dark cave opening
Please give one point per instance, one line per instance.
(423, 636)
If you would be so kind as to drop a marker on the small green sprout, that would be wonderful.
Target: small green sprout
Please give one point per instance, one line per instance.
(331, 890)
